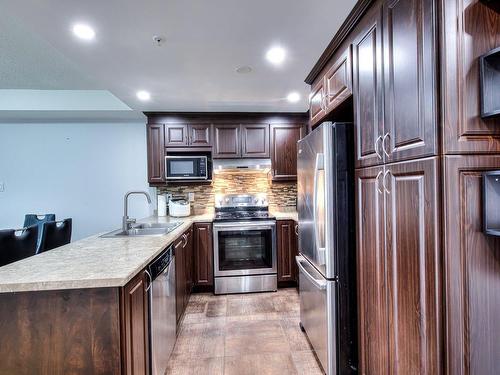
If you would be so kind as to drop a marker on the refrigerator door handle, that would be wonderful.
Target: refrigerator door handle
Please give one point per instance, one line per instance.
(318, 283)
(319, 166)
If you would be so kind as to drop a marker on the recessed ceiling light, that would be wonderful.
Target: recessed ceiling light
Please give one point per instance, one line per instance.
(293, 97)
(83, 31)
(276, 55)
(143, 95)
(245, 69)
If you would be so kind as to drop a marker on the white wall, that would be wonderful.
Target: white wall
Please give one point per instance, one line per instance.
(77, 170)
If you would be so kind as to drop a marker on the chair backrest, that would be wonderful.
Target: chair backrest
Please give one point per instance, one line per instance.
(17, 244)
(55, 234)
(34, 219)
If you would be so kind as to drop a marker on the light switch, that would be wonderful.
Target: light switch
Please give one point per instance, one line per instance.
(191, 197)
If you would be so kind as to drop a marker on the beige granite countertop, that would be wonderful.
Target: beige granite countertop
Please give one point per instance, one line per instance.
(96, 262)
(93, 262)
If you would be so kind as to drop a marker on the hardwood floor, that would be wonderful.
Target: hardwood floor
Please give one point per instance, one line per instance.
(243, 334)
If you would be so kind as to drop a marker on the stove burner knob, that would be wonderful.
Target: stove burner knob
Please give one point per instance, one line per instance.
(255, 200)
(227, 200)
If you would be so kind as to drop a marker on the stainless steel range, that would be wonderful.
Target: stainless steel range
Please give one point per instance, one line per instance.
(244, 244)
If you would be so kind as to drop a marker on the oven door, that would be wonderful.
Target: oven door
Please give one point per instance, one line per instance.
(244, 248)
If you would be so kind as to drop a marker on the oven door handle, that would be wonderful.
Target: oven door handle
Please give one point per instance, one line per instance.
(245, 225)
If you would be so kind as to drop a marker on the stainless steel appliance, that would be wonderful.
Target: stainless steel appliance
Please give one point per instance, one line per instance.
(326, 261)
(162, 317)
(244, 244)
(187, 167)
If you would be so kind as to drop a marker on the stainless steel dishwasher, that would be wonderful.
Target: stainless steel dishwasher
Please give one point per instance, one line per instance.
(162, 318)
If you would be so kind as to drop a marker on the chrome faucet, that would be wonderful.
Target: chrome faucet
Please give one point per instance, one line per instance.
(126, 220)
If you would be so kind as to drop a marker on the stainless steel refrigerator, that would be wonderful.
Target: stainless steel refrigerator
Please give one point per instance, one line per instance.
(326, 261)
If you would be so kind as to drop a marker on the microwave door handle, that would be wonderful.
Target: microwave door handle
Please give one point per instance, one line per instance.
(318, 283)
(319, 165)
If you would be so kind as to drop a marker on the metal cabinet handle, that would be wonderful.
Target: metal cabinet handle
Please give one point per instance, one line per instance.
(387, 135)
(388, 172)
(185, 240)
(377, 182)
(377, 148)
(150, 280)
(297, 229)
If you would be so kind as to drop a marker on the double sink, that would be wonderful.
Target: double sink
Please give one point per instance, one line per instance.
(144, 229)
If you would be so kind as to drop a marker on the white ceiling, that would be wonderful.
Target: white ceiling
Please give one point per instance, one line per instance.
(194, 70)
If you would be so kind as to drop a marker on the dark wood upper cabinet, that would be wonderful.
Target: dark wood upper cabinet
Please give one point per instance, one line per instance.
(372, 291)
(255, 140)
(367, 89)
(472, 264)
(176, 135)
(188, 135)
(287, 250)
(135, 325)
(470, 29)
(410, 81)
(317, 109)
(200, 135)
(284, 140)
(203, 255)
(413, 250)
(156, 153)
(338, 81)
(227, 142)
(332, 88)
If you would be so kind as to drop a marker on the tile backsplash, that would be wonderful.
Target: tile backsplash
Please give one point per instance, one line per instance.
(280, 195)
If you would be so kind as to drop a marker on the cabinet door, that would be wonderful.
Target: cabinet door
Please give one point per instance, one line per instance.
(136, 325)
(227, 141)
(472, 263)
(413, 267)
(200, 135)
(372, 290)
(176, 135)
(287, 250)
(317, 107)
(255, 140)
(338, 81)
(367, 89)
(284, 140)
(470, 29)
(203, 255)
(188, 250)
(180, 277)
(156, 153)
(410, 81)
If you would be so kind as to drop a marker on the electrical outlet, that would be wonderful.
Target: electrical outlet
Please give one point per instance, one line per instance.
(191, 197)
(2, 187)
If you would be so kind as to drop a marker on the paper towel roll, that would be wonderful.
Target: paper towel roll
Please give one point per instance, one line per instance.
(162, 205)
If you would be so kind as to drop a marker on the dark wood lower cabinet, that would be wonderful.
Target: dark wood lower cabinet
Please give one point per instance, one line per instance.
(135, 325)
(372, 291)
(287, 250)
(70, 331)
(472, 264)
(413, 267)
(203, 255)
(399, 268)
(184, 266)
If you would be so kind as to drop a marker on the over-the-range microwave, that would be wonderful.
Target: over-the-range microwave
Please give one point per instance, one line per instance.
(187, 167)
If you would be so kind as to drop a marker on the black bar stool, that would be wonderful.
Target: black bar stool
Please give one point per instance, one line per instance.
(17, 244)
(55, 234)
(34, 219)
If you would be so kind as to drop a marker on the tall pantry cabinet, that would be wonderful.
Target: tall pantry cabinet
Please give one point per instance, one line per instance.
(428, 276)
